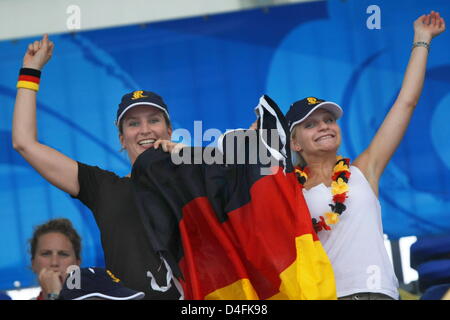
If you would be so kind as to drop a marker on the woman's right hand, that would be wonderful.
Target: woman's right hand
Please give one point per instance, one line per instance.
(169, 146)
(50, 281)
(38, 53)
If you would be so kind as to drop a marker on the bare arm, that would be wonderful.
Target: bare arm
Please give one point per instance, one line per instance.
(56, 168)
(375, 158)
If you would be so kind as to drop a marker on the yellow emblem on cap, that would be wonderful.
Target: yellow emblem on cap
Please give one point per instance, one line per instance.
(312, 100)
(113, 277)
(138, 95)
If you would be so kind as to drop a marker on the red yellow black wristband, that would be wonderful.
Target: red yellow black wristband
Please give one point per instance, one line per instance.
(29, 79)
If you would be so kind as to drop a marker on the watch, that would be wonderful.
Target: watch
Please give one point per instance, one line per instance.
(53, 296)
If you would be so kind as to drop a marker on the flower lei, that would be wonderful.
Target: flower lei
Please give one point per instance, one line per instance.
(339, 190)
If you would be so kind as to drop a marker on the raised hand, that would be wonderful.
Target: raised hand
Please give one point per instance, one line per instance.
(38, 53)
(428, 26)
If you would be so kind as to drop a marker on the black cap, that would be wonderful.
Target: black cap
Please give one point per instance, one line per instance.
(96, 283)
(140, 98)
(302, 109)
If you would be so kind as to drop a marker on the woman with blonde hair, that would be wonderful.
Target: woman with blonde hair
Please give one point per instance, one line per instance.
(342, 196)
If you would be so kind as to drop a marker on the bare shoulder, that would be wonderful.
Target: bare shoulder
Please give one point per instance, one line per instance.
(362, 162)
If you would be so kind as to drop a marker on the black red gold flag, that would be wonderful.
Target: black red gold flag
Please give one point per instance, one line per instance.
(234, 229)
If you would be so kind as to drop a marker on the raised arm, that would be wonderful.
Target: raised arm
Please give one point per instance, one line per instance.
(375, 158)
(56, 168)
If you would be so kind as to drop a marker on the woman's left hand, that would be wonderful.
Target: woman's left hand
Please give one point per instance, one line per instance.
(428, 26)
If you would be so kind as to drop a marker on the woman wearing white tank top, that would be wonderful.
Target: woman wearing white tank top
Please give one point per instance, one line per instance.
(343, 198)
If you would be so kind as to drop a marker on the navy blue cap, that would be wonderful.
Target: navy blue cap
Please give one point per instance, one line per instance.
(97, 283)
(140, 98)
(302, 109)
(436, 292)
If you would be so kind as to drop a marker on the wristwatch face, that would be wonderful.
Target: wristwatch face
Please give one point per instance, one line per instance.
(52, 296)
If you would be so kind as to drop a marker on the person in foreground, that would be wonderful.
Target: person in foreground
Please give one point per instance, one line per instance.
(143, 122)
(342, 196)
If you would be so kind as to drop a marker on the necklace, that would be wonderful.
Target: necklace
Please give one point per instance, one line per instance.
(339, 190)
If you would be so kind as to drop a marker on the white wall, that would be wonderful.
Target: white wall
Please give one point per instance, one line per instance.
(25, 18)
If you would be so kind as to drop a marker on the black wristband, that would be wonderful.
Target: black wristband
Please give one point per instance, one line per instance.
(30, 72)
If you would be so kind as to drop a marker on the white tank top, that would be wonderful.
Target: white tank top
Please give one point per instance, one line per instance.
(355, 245)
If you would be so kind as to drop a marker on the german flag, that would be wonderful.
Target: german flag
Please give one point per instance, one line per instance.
(234, 230)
